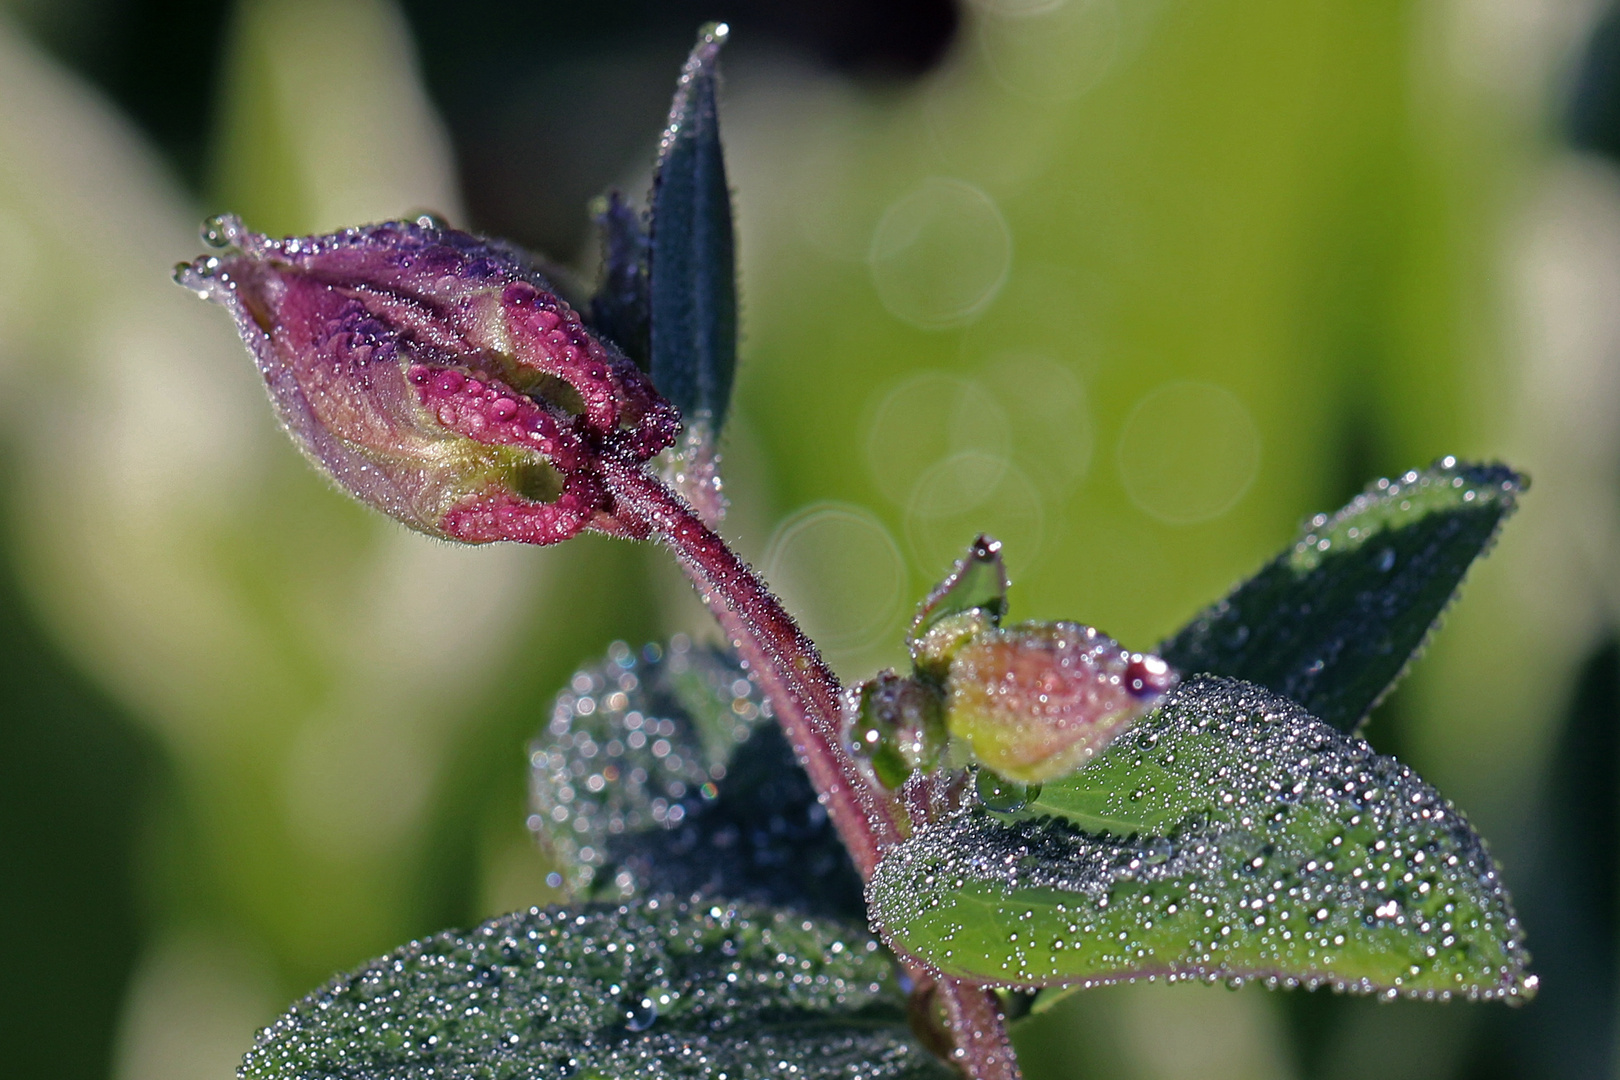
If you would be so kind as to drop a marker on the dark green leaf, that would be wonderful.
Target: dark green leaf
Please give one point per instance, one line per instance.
(693, 278)
(660, 989)
(1227, 835)
(1333, 621)
(663, 772)
(619, 308)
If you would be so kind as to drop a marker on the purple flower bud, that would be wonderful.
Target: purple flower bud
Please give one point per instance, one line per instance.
(435, 376)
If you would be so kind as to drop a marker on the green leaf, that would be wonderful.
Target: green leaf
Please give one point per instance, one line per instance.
(1227, 835)
(1334, 620)
(619, 306)
(661, 772)
(661, 989)
(693, 276)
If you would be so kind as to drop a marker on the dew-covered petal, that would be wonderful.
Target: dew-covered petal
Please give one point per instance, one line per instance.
(434, 375)
(1038, 700)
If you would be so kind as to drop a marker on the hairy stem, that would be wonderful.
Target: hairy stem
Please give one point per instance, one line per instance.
(979, 1030)
(803, 691)
(808, 701)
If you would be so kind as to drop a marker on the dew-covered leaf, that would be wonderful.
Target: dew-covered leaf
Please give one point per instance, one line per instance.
(693, 278)
(663, 772)
(654, 990)
(1334, 620)
(1228, 835)
(619, 306)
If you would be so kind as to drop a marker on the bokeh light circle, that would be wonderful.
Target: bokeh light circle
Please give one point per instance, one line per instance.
(940, 254)
(1048, 416)
(925, 418)
(1188, 452)
(840, 572)
(967, 494)
(1051, 52)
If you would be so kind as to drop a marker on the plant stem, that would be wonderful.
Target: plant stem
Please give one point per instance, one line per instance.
(803, 691)
(808, 701)
(980, 1032)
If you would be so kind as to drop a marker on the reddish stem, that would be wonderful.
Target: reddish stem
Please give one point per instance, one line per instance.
(803, 691)
(808, 701)
(982, 1048)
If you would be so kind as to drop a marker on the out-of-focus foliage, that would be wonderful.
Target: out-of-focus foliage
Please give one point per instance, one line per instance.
(1134, 286)
(328, 686)
(661, 989)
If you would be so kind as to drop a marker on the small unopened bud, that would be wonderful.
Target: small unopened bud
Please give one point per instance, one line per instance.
(899, 727)
(435, 376)
(1039, 700)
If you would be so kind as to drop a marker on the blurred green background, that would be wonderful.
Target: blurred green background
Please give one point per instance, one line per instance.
(1134, 284)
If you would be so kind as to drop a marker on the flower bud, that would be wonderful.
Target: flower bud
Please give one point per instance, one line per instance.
(435, 376)
(898, 727)
(1039, 700)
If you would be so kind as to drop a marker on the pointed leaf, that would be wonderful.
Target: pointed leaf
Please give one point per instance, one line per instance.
(657, 990)
(619, 307)
(663, 773)
(1333, 621)
(693, 277)
(1228, 835)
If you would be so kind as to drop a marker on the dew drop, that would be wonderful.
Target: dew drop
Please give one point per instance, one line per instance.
(999, 793)
(220, 231)
(642, 1015)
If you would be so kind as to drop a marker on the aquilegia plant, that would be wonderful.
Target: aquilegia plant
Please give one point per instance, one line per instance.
(775, 873)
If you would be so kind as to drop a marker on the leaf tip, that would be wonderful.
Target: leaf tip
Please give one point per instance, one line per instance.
(692, 288)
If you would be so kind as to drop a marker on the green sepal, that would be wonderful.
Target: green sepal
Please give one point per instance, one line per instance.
(978, 583)
(898, 727)
(1334, 621)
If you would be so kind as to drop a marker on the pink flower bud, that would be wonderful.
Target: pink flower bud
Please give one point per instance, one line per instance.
(435, 376)
(1039, 700)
